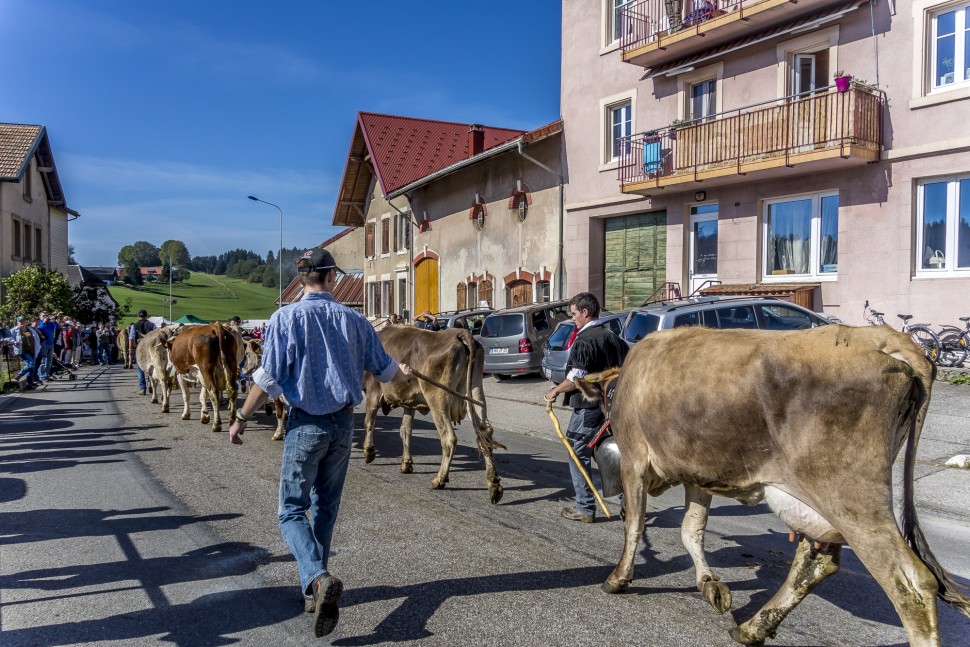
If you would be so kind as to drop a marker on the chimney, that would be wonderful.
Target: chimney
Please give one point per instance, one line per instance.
(476, 139)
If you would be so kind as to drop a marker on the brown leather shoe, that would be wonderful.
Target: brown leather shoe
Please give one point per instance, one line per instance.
(326, 594)
(573, 515)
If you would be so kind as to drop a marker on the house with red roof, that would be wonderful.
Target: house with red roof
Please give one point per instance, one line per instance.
(453, 214)
(33, 210)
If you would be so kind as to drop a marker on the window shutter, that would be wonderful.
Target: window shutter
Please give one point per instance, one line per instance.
(398, 223)
(386, 236)
(485, 292)
(462, 296)
(369, 239)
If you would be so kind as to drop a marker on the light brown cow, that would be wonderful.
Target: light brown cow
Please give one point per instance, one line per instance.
(809, 422)
(208, 356)
(254, 358)
(451, 357)
(152, 357)
(125, 348)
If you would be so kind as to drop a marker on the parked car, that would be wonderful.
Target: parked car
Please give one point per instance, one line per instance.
(555, 352)
(513, 337)
(766, 313)
(471, 319)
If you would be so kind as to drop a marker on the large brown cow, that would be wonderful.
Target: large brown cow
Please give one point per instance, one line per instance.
(207, 355)
(152, 357)
(451, 357)
(809, 422)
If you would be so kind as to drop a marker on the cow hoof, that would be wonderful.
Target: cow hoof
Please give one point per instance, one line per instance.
(279, 436)
(438, 484)
(185, 416)
(154, 400)
(611, 586)
(369, 454)
(216, 428)
(718, 595)
(164, 409)
(496, 491)
(204, 419)
(740, 636)
(407, 468)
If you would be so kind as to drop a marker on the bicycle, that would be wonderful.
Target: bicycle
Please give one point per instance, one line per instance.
(955, 343)
(921, 334)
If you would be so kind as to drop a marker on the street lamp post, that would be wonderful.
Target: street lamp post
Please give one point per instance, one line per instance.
(171, 268)
(280, 255)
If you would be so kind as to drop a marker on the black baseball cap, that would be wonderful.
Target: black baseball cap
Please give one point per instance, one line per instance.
(316, 260)
(143, 313)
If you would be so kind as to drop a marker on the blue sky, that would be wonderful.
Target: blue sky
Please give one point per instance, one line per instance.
(164, 116)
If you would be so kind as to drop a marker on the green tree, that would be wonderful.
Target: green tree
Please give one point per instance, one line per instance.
(33, 289)
(141, 252)
(174, 252)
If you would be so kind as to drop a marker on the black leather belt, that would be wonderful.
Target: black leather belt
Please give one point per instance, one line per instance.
(299, 411)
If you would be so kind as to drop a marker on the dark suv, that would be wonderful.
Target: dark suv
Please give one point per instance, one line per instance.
(765, 313)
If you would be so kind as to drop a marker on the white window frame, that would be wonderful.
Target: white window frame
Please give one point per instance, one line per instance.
(823, 39)
(687, 80)
(607, 104)
(401, 223)
(619, 115)
(961, 70)
(613, 8)
(708, 111)
(952, 228)
(814, 275)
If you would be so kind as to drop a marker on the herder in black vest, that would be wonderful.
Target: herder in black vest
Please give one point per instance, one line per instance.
(595, 349)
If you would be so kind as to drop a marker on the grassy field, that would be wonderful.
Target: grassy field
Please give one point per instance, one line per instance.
(206, 296)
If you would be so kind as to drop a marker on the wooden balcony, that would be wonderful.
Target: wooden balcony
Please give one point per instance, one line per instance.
(817, 131)
(660, 31)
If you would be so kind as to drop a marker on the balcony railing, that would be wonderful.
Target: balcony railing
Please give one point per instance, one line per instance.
(820, 125)
(649, 28)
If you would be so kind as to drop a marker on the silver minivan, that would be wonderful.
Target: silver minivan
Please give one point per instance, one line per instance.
(513, 338)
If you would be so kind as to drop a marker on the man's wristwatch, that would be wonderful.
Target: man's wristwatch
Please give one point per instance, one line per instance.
(241, 417)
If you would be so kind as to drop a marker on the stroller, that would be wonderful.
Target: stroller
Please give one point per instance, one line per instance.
(59, 370)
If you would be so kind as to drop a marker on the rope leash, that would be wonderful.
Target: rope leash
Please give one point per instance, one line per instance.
(572, 454)
(447, 389)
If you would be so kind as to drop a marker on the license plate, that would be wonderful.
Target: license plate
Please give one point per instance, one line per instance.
(498, 351)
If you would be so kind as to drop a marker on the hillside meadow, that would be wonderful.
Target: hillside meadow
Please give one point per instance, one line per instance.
(206, 296)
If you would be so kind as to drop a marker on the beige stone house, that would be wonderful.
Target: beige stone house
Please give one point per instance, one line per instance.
(454, 215)
(710, 144)
(33, 210)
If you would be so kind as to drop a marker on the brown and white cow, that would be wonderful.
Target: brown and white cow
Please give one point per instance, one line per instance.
(152, 356)
(451, 357)
(208, 356)
(809, 422)
(253, 360)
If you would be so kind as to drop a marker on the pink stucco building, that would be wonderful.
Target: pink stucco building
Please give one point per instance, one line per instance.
(710, 141)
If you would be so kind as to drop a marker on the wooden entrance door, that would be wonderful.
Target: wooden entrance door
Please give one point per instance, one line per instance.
(636, 259)
(426, 286)
(518, 294)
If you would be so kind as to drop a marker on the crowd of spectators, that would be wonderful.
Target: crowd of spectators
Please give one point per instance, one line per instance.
(37, 347)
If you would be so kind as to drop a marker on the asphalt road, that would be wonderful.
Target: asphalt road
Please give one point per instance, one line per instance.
(121, 524)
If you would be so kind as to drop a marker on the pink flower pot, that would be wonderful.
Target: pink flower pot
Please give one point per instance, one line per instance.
(842, 83)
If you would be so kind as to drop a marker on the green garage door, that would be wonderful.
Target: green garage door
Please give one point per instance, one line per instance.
(636, 258)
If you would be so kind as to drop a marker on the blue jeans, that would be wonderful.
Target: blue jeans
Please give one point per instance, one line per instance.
(583, 425)
(104, 353)
(44, 365)
(141, 377)
(27, 369)
(316, 454)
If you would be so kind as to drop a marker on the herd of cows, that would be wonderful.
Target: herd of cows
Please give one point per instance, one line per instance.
(809, 422)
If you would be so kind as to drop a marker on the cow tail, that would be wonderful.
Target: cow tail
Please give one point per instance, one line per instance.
(473, 388)
(948, 590)
(227, 366)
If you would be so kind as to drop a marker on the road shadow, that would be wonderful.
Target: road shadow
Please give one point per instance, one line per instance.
(212, 619)
(12, 490)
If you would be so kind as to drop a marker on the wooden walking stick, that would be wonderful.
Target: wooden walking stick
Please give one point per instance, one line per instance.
(569, 448)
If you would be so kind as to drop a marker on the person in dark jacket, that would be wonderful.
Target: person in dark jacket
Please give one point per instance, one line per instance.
(595, 349)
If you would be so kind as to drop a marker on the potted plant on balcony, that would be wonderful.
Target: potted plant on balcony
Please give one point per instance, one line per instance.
(862, 84)
(842, 81)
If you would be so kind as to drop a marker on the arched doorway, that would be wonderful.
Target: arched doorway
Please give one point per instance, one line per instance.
(518, 293)
(426, 286)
